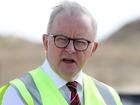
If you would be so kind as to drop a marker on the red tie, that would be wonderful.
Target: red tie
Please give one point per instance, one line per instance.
(74, 95)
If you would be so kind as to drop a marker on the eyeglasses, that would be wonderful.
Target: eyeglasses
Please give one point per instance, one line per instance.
(62, 41)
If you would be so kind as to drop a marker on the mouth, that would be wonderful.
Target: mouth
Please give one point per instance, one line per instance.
(68, 60)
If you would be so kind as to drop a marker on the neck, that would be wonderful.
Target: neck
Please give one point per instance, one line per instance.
(69, 78)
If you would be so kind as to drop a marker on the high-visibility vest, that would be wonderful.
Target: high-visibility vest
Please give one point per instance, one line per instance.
(36, 88)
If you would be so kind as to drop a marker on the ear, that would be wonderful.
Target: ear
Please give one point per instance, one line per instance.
(45, 41)
(96, 44)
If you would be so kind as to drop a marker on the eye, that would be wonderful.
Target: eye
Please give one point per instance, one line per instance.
(61, 40)
(81, 43)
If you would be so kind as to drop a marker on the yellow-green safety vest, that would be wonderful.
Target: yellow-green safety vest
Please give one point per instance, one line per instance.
(34, 90)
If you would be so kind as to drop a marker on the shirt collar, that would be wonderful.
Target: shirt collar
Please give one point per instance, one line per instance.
(60, 82)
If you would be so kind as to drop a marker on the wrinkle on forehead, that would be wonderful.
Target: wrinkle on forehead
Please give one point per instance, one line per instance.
(76, 24)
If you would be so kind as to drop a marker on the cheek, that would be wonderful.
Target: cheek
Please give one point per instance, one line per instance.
(53, 53)
(85, 55)
(81, 58)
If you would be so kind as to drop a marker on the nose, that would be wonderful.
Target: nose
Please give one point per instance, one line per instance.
(70, 47)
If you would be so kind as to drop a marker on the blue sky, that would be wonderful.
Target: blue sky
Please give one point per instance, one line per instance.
(28, 18)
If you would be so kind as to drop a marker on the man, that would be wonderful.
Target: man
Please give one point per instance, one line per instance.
(69, 43)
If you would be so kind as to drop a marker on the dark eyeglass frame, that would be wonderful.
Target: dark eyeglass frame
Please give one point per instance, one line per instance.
(69, 39)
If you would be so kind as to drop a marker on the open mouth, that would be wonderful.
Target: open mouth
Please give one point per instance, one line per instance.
(67, 60)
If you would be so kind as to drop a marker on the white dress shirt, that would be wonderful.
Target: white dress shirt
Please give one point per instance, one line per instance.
(11, 97)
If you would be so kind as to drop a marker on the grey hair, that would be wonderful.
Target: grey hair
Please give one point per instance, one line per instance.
(70, 8)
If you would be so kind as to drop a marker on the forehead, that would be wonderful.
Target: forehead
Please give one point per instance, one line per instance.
(78, 25)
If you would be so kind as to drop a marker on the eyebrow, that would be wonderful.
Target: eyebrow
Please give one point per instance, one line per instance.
(72, 38)
(65, 35)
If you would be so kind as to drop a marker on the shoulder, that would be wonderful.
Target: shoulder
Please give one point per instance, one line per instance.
(100, 85)
(108, 92)
(110, 96)
(11, 97)
(105, 87)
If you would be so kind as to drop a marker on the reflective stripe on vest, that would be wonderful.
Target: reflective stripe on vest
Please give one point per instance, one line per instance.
(105, 92)
(49, 93)
(2, 91)
(95, 93)
(30, 85)
(23, 91)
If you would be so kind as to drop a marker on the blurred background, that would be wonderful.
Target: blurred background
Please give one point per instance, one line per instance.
(116, 61)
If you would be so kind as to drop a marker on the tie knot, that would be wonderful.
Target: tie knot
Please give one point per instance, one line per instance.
(74, 94)
(72, 85)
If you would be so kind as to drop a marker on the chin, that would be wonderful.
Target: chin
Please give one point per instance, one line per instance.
(70, 72)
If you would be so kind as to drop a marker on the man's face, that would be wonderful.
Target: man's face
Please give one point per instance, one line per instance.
(67, 62)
